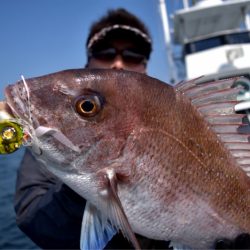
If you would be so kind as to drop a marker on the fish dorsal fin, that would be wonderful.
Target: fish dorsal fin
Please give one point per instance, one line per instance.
(225, 105)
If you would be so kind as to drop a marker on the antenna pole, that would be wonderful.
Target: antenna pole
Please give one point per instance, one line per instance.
(185, 4)
(167, 38)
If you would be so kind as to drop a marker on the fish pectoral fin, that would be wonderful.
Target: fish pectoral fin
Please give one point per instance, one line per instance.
(96, 230)
(116, 212)
(178, 246)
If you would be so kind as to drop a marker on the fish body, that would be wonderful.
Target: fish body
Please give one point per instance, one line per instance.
(165, 162)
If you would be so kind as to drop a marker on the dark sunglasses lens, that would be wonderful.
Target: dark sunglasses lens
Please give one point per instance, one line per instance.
(130, 56)
(105, 54)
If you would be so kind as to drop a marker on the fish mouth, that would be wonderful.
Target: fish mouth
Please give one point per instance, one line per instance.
(19, 106)
(6, 112)
(45, 142)
(17, 110)
(16, 104)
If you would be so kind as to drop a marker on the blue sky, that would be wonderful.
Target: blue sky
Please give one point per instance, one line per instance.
(38, 37)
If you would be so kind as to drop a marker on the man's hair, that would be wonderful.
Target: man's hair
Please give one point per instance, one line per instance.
(122, 18)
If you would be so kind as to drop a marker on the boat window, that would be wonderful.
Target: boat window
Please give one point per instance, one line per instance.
(235, 38)
(238, 38)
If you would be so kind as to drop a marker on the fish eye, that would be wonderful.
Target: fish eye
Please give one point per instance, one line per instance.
(87, 106)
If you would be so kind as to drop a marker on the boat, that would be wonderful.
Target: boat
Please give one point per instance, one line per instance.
(214, 37)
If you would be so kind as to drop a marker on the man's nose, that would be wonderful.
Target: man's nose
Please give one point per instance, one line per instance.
(118, 63)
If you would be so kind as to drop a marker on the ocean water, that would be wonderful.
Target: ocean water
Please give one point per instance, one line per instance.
(11, 237)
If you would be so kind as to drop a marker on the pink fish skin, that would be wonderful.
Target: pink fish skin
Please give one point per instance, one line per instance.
(161, 161)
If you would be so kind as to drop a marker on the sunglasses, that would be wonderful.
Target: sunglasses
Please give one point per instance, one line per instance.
(128, 55)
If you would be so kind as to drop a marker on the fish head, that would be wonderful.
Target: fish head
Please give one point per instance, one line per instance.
(82, 120)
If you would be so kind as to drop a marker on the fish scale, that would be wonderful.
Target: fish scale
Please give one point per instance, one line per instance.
(180, 171)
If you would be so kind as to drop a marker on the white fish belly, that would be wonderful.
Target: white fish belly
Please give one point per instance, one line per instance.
(190, 222)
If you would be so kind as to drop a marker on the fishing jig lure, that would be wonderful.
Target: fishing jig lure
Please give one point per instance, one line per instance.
(11, 134)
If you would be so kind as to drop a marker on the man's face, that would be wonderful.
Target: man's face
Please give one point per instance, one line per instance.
(118, 54)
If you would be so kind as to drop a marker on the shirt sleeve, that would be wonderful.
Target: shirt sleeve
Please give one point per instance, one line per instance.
(47, 211)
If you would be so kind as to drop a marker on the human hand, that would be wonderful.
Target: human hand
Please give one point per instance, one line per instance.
(240, 242)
